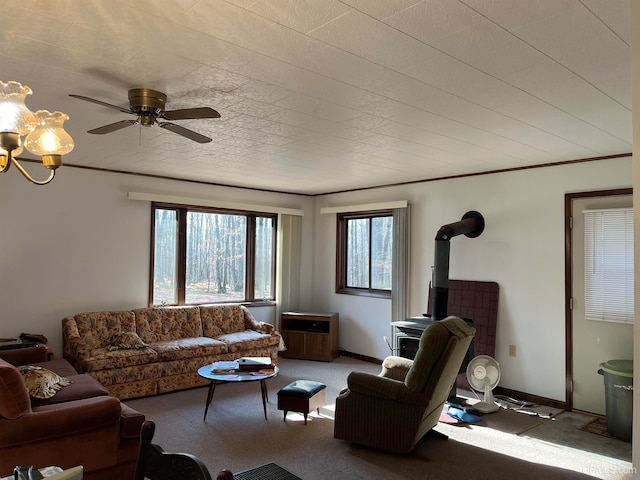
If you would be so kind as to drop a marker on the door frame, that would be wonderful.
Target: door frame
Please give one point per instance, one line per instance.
(568, 277)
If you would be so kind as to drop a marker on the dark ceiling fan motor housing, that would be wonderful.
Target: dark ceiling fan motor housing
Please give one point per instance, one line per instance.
(147, 103)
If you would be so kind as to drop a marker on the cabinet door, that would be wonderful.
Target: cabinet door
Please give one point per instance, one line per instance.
(294, 341)
(318, 346)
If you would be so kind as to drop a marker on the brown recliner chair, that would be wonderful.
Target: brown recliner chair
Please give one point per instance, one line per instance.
(394, 410)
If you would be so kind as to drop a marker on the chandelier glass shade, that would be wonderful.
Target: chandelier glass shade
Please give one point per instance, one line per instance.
(43, 132)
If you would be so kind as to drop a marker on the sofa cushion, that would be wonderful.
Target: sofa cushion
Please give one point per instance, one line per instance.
(101, 358)
(42, 382)
(14, 396)
(125, 341)
(82, 386)
(221, 319)
(248, 340)
(95, 328)
(188, 348)
(167, 323)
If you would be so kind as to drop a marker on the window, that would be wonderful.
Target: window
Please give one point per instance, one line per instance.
(608, 265)
(210, 256)
(365, 253)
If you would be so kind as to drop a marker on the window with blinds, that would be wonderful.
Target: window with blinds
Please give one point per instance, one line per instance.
(608, 265)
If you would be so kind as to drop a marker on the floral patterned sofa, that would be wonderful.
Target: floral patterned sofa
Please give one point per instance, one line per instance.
(179, 340)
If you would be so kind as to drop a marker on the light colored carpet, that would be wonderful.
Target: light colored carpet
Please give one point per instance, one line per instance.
(237, 437)
(567, 432)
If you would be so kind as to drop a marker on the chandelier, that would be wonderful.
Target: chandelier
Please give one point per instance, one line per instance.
(41, 133)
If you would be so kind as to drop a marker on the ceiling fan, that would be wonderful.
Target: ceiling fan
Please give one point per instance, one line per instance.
(148, 105)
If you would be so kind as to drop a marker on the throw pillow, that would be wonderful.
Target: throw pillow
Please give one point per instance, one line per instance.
(125, 341)
(41, 382)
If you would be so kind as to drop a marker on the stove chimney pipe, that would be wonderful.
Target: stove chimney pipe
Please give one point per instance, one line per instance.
(471, 225)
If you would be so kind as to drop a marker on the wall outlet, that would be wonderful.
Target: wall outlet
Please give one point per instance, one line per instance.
(512, 350)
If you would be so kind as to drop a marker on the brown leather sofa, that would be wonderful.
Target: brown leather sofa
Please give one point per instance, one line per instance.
(80, 425)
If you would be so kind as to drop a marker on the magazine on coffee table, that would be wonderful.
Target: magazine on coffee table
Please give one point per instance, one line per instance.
(225, 366)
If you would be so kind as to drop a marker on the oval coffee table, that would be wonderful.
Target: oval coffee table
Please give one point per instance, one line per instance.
(238, 376)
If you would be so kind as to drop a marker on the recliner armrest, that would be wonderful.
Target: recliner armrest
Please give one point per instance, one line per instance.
(383, 387)
(396, 367)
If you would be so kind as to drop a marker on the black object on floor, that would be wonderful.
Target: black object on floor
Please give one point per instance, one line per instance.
(269, 471)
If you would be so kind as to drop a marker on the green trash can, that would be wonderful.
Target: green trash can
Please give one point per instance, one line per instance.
(618, 389)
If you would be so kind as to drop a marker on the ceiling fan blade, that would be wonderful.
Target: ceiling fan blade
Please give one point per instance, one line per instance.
(112, 127)
(190, 113)
(185, 132)
(104, 104)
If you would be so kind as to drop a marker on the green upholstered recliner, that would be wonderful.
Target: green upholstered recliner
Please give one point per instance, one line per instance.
(395, 409)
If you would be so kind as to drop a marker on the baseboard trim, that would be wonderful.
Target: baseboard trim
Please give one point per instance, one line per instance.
(357, 356)
(527, 397)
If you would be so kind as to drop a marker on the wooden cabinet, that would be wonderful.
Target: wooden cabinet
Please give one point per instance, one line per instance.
(310, 336)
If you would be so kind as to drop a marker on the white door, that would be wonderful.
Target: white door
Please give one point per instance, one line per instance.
(593, 342)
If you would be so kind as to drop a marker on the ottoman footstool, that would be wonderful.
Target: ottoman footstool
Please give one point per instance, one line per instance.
(302, 396)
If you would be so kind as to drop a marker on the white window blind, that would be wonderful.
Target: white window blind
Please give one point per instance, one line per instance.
(608, 264)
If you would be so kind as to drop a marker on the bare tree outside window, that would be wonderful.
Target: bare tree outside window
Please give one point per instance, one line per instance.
(220, 257)
(264, 258)
(216, 259)
(165, 259)
(358, 252)
(365, 253)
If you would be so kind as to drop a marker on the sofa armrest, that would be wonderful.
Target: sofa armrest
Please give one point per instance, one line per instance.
(130, 422)
(26, 356)
(74, 348)
(250, 323)
(60, 420)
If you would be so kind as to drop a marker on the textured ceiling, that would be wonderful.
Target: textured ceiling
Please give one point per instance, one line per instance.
(320, 96)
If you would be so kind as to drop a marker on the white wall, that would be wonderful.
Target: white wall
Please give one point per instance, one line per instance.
(521, 248)
(78, 244)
